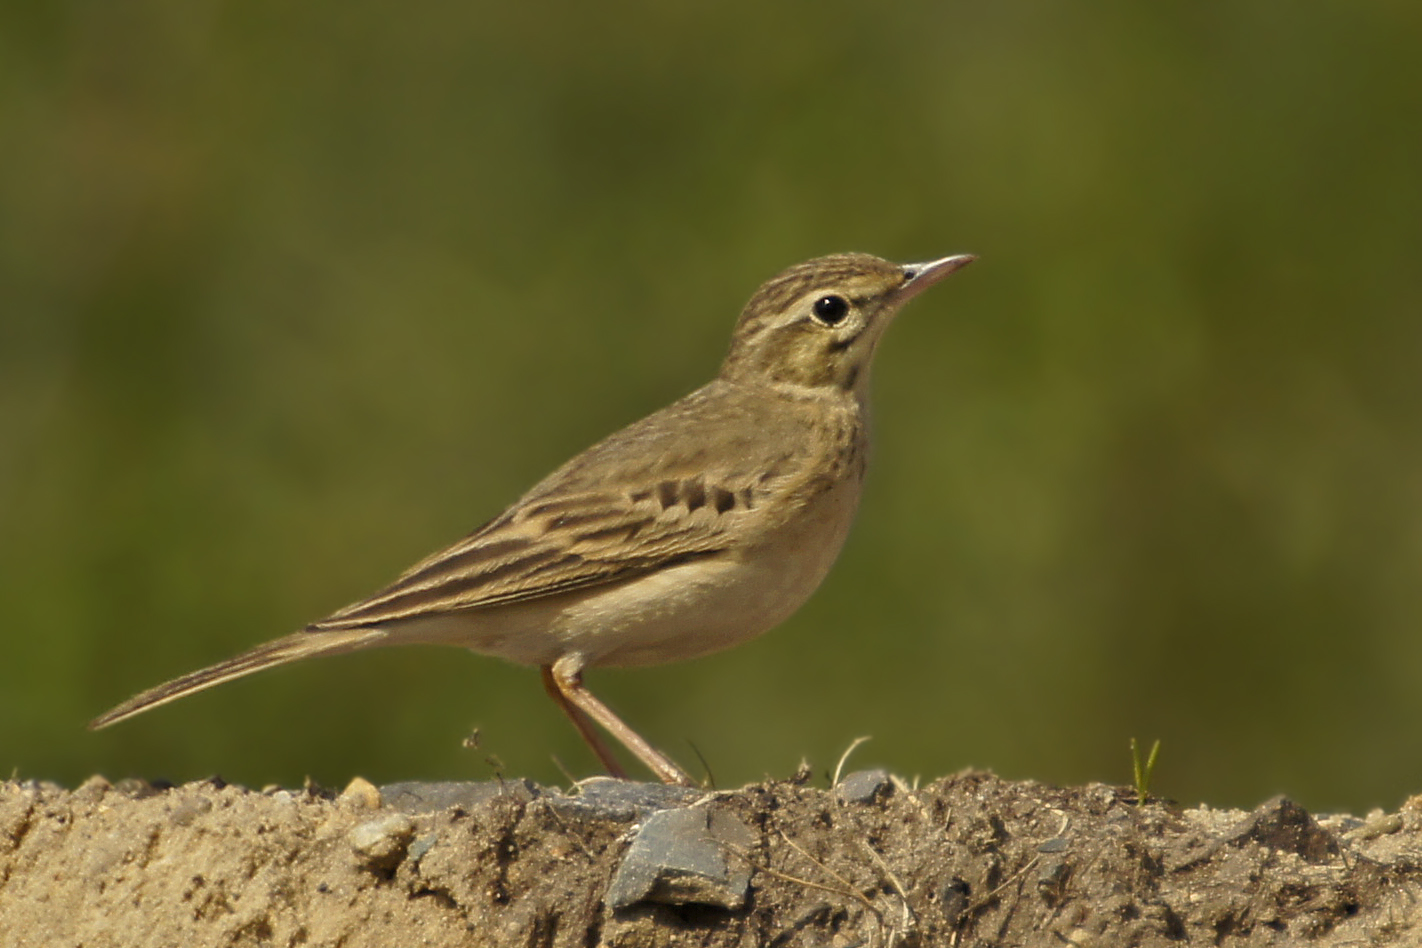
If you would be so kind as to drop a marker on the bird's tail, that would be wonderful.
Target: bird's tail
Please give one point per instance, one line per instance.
(298, 645)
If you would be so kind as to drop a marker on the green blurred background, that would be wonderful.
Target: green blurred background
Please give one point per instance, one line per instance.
(293, 294)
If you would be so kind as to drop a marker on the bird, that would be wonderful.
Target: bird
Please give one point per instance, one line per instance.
(701, 526)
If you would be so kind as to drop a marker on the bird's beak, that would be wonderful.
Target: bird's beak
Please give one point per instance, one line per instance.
(920, 276)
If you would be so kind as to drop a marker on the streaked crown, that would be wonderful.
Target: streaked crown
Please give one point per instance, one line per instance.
(816, 324)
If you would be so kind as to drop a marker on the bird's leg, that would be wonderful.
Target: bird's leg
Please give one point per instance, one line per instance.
(564, 680)
(583, 723)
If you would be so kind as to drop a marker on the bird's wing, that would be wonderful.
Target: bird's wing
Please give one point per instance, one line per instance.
(646, 498)
(558, 544)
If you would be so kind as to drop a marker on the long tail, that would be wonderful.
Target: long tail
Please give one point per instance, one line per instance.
(296, 646)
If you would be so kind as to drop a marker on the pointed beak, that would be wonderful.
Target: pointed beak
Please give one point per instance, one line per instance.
(923, 275)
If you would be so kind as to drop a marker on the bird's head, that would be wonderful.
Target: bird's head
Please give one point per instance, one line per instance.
(816, 324)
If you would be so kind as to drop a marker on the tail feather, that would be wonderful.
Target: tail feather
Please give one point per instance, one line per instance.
(278, 652)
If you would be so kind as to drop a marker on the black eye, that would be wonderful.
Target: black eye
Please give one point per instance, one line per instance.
(831, 310)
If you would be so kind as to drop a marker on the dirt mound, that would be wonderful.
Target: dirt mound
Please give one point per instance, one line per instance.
(968, 860)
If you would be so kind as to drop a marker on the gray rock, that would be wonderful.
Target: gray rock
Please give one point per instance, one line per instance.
(621, 801)
(421, 846)
(415, 796)
(1282, 824)
(691, 856)
(865, 786)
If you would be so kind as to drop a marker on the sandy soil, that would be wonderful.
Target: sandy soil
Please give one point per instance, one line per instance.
(966, 860)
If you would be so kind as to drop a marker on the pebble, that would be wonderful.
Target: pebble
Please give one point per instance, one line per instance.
(380, 844)
(691, 856)
(92, 790)
(1380, 825)
(189, 809)
(621, 801)
(360, 793)
(864, 786)
(416, 796)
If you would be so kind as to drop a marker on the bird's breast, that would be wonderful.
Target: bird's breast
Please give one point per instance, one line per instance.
(711, 603)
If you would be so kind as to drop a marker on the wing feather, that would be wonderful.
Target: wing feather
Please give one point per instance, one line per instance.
(546, 549)
(643, 499)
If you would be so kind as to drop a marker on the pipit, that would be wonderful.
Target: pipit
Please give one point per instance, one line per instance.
(698, 527)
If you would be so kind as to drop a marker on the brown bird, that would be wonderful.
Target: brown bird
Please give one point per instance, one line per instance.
(698, 527)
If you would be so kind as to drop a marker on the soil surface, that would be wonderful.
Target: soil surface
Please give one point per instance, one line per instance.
(967, 860)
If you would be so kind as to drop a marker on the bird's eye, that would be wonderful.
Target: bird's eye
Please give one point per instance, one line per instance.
(831, 310)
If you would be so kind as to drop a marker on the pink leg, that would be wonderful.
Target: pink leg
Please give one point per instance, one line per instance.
(583, 723)
(564, 680)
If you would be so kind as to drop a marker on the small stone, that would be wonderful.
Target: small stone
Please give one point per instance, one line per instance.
(189, 809)
(92, 790)
(621, 801)
(865, 786)
(380, 844)
(137, 788)
(360, 793)
(422, 845)
(1380, 825)
(1280, 823)
(416, 796)
(953, 900)
(1340, 824)
(691, 856)
(1058, 844)
(1051, 873)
